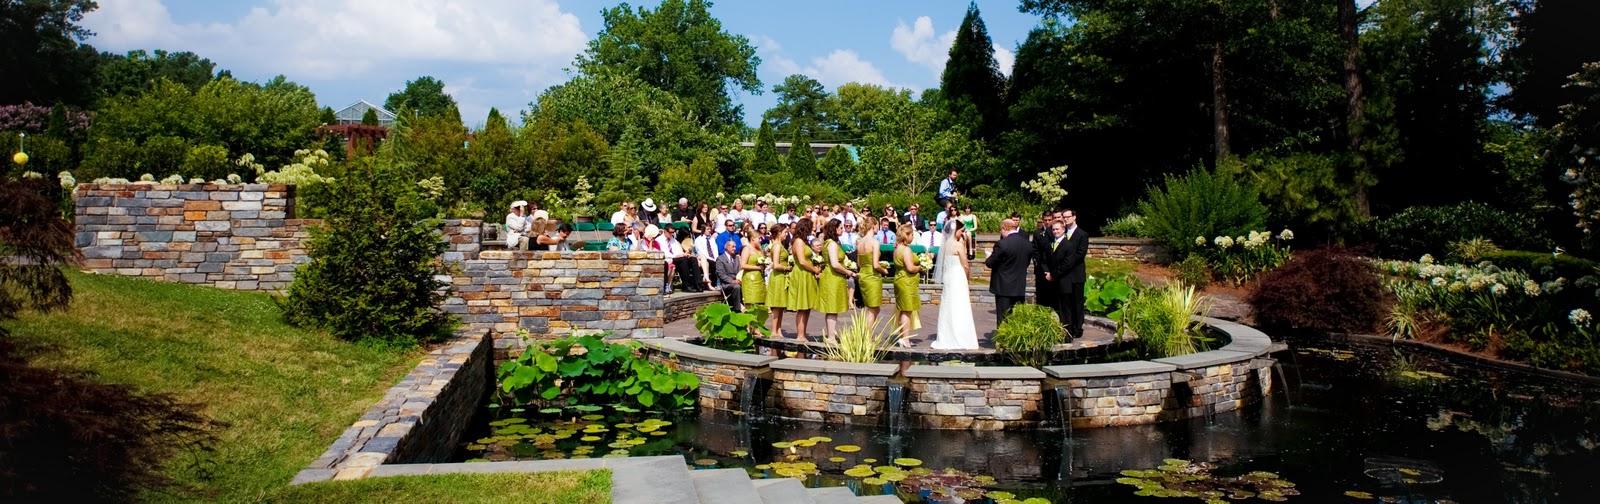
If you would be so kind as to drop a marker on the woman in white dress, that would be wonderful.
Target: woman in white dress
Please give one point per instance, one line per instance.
(956, 328)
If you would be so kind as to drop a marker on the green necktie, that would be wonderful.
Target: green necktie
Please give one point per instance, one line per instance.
(1054, 245)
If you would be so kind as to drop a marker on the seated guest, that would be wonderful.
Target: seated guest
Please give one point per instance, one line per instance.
(760, 215)
(705, 250)
(683, 260)
(649, 216)
(625, 215)
(554, 236)
(620, 241)
(517, 226)
(788, 216)
(663, 217)
(727, 267)
(729, 234)
(702, 219)
(761, 230)
(886, 232)
(683, 213)
(738, 214)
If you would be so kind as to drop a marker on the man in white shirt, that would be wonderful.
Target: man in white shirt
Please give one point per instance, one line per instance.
(788, 217)
(761, 215)
(847, 235)
(517, 225)
(848, 216)
(621, 215)
(705, 250)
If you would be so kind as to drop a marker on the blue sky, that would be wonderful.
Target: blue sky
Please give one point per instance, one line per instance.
(503, 53)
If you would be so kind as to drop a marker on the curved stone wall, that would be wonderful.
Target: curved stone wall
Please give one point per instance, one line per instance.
(988, 397)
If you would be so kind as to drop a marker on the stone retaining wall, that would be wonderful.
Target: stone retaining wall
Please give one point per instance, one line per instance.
(241, 237)
(420, 419)
(1142, 250)
(683, 305)
(833, 392)
(722, 374)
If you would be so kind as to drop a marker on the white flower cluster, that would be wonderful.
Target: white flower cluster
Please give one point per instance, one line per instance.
(1255, 239)
(1223, 242)
(302, 172)
(432, 186)
(1579, 317)
(173, 179)
(68, 182)
(1483, 277)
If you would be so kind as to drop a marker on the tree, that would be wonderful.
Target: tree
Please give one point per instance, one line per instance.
(491, 155)
(553, 154)
(853, 108)
(908, 149)
(838, 167)
(972, 76)
(371, 275)
(800, 112)
(1554, 38)
(766, 158)
(424, 96)
(679, 48)
(623, 180)
(42, 58)
(802, 163)
(435, 145)
(1039, 136)
(136, 71)
(370, 118)
(698, 181)
(329, 117)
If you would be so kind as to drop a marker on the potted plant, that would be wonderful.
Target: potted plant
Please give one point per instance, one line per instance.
(582, 201)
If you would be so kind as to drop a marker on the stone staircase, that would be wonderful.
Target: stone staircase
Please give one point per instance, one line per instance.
(668, 480)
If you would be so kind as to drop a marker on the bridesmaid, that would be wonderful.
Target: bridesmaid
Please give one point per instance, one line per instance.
(834, 296)
(870, 278)
(907, 295)
(803, 280)
(778, 285)
(752, 280)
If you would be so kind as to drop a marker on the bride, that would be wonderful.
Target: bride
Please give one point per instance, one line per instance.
(956, 330)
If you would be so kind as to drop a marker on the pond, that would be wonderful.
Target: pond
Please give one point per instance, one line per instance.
(1355, 422)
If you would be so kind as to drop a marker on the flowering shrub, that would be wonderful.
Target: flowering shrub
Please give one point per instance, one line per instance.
(34, 119)
(1241, 259)
(1048, 185)
(1535, 317)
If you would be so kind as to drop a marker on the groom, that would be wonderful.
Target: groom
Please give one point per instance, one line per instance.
(1067, 255)
(1008, 269)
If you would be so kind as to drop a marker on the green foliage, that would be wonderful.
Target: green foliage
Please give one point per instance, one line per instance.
(765, 159)
(45, 154)
(558, 154)
(371, 274)
(1430, 229)
(1201, 203)
(1161, 317)
(1107, 295)
(1049, 185)
(44, 61)
(136, 71)
(1577, 143)
(623, 180)
(837, 166)
(972, 76)
(860, 341)
(1470, 251)
(729, 330)
(1131, 225)
(698, 181)
(1554, 40)
(1302, 188)
(370, 118)
(801, 109)
(681, 49)
(270, 120)
(1194, 270)
(1241, 259)
(1544, 264)
(909, 147)
(1028, 334)
(587, 370)
(209, 162)
(424, 96)
(163, 154)
(801, 163)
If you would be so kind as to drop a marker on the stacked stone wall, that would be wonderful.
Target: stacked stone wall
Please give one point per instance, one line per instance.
(240, 237)
(942, 403)
(807, 391)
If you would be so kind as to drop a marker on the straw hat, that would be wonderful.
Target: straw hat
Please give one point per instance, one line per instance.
(652, 231)
(519, 204)
(541, 214)
(649, 205)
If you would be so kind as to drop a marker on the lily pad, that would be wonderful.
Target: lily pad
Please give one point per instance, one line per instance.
(738, 453)
(907, 462)
(847, 448)
(1358, 495)
(859, 472)
(705, 462)
(836, 459)
(782, 445)
(873, 481)
(590, 439)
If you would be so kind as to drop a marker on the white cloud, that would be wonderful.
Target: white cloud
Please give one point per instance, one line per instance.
(771, 53)
(920, 44)
(834, 69)
(334, 39)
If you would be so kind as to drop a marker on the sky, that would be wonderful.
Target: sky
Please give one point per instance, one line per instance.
(504, 53)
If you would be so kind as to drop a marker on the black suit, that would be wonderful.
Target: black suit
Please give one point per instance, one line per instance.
(1008, 273)
(1044, 291)
(916, 221)
(1067, 266)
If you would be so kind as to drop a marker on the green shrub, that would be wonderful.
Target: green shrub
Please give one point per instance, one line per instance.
(111, 157)
(860, 342)
(1200, 203)
(1537, 263)
(1240, 259)
(587, 370)
(729, 330)
(697, 181)
(1028, 334)
(1193, 270)
(209, 162)
(372, 268)
(1162, 319)
(1430, 229)
(1131, 225)
(163, 154)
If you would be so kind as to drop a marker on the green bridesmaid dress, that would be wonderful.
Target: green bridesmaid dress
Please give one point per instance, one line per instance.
(867, 279)
(907, 297)
(753, 283)
(802, 288)
(778, 283)
(834, 291)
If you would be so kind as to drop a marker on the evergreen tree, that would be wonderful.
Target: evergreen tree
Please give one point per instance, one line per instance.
(328, 117)
(802, 163)
(424, 96)
(1554, 39)
(766, 158)
(837, 167)
(623, 174)
(972, 76)
(370, 118)
(799, 112)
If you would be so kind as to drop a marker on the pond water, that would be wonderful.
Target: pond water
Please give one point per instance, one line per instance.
(1355, 422)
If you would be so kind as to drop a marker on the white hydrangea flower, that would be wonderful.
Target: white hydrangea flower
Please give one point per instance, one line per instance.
(1286, 235)
(147, 178)
(173, 179)
(1199, 241)
(67, 180)
(1223, 242)
(1438, 281)
(1457, 287)
(197, 180)
(1497, 289)
(1426, 259)
(233, 178)
(1531, 288)
(1579, 316)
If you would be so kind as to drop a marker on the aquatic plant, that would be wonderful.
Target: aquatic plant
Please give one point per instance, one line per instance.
(1028, 334)
(1163, 318)
(589, 370)
(862, 341)
(1182, 478)
(729, 330)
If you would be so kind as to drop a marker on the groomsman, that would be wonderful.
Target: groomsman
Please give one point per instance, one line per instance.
(1068, 253)
(1044, 290)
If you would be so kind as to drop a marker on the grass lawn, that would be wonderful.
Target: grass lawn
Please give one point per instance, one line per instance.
(1103, 267)
(284, 392)
(553, 488)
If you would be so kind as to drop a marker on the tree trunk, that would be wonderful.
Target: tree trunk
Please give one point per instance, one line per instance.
(1219, 102)
(1273, 12)
(1355, 105)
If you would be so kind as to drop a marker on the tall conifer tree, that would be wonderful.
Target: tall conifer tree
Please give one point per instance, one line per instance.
(972, 76)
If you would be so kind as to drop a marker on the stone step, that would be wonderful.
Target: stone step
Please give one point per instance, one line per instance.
(832, 495)
(782, 491)
(724, 486)
(878, 499)
(652, 480)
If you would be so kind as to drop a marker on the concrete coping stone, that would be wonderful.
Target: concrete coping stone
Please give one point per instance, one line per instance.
(519, 466)
(1207, 359)
(708, 354)
(1242, 338)
(1128, 368)
(927, 371)
(1009, 373)
(823, 366)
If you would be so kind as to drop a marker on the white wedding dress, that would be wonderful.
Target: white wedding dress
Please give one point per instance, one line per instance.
(956, 328)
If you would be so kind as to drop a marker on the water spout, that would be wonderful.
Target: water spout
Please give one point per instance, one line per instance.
(1063, 408)
(895, 409)
(1280, 381)
(752, 397)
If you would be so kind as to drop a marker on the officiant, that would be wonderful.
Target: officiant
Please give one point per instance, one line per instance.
(1008, 269)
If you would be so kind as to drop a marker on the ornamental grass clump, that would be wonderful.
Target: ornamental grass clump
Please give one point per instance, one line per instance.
(860, 342)
(1028, 334)
(1163, 319)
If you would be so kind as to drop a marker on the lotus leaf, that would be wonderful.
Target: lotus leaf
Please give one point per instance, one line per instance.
(859, 472)
(874, 481)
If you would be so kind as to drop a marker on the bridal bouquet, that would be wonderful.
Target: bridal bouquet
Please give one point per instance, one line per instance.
(884, 265)
(849, 264)
(763, 260)
(925, 261)
(791, 260)
(816, 258)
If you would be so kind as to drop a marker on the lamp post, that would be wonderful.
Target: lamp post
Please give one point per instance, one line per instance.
(21, 157)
